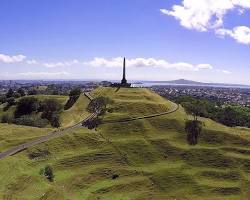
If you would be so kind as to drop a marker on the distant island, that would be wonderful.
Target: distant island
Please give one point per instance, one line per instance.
(195, 83)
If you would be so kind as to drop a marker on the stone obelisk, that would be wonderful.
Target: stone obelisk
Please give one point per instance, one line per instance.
(124, 81)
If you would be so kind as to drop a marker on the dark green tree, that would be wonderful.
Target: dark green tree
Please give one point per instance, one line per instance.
(21, 91)
(193, 129)
(10, 93)
(48, 172)
(75, 92)
(26, 106)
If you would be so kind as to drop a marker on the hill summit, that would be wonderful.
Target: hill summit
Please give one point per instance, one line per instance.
(140, 159)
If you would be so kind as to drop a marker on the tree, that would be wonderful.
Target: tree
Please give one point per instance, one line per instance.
(55, 121)
(92, 123)
(229, 116)
(193, 129)
(3, 99)
(26, 106)
(10, 93)
(17, 95)
(196, 109)
(75, 92)
(99, 105)
(21, 92)
(49, 107)
(48, 172)
(32, 92)
(11, 101)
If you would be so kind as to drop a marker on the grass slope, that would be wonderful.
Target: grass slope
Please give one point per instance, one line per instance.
(76, 113)
(150, 156)
(12, 135)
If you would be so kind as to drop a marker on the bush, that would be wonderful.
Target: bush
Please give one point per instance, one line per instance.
(193, 130)
(7, 119)
(10, 93)
(2, 99)
(48, 173)
(21, 92)
(11, 101)
(75, 92)
(31, 120)
(99, 105)
(92, 123)
(49, 107)
(32, 92)
(26, 106)
(55, 120)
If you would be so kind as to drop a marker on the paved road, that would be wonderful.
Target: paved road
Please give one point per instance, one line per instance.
(48, 137)
(174, 108)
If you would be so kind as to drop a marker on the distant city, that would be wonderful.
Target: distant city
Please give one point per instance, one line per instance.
(223, 93)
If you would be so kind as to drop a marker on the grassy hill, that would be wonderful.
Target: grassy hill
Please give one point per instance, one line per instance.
(12, 135)
(150, 156)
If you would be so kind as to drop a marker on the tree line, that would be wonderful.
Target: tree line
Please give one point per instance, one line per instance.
(229, 115)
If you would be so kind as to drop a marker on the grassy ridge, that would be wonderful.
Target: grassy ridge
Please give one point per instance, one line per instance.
(150, 156)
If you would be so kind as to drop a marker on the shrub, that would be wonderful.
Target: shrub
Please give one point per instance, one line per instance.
(75, 92)
(92, 123)
(11, 101)
(3, 99)
(7, 119)
(49, 107)
(193, 130)
(55, 120)
(26, 106)
(31, 120)
(99, 105)
(48, 173)
(21, 92)
(32, 92)
(10, 93)
(17, 95)
(115, 176)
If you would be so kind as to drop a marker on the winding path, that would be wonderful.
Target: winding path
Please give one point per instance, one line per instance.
(48, 137)
(61, 132)
(172, 110)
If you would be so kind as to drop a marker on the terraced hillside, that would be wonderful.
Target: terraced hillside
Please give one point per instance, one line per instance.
(142, 159)
(12, 135)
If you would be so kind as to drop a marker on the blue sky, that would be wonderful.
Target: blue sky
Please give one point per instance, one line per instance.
(202, 40)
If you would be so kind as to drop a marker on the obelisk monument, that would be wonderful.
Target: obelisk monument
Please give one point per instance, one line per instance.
(124, 81)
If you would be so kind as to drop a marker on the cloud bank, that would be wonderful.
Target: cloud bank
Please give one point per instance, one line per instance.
(12, 59)
(146, 62)
(204, 15)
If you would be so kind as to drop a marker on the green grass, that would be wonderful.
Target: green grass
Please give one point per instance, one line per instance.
(76, 113)
(12, 135)
(150, 156)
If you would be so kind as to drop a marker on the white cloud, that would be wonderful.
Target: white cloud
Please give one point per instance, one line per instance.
(204, 15)
(146, 62)
(32, 62)
(44, 74)
(60, 64)
(223, 71)
(205, 66)
(240, 33)
(12, 59)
